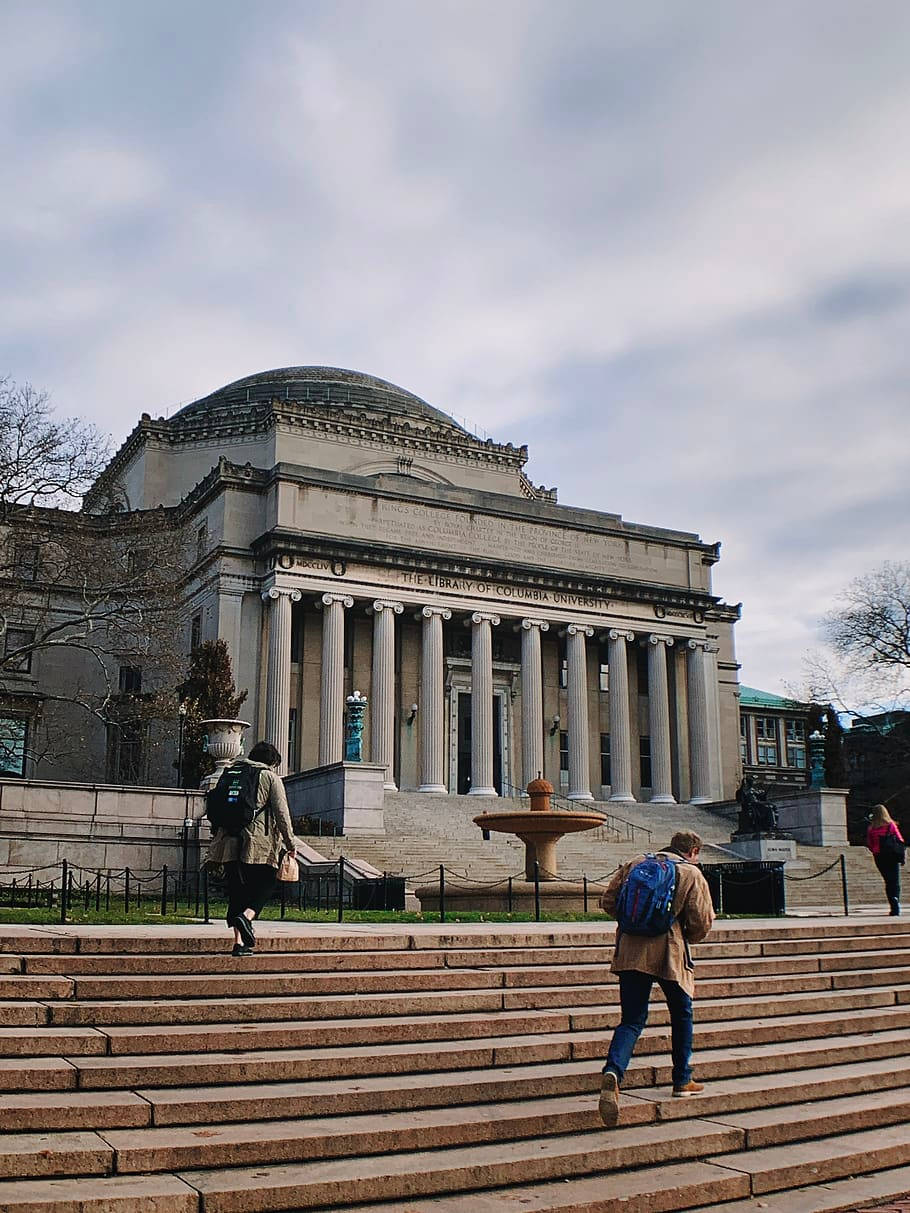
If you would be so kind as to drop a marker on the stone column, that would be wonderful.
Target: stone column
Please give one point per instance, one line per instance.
(714, 735)
(579, 761)
(431, 701)
(331, 697)
(482, 623)
(230, 606)
(531, 699)
(620, 731)
(659, 713)
(699, 733)
(382, 710)
(278, 679)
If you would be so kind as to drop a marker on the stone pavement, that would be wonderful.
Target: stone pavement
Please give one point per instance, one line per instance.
(446, 1068)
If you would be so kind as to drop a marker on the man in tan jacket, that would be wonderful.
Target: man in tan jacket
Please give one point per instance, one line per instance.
(640, 960)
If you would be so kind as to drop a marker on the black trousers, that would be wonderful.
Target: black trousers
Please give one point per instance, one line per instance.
(249, 886)
(891, 874)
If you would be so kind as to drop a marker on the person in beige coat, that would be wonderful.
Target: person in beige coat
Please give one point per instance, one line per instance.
(249, 861)
(640, 960)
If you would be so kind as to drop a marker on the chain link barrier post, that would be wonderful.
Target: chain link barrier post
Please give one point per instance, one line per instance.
(64, 885)
(843, 881)
(442, 893)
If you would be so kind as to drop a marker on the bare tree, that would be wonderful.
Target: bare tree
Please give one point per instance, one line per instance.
(872, 627)
(88, 602)
(43, 461)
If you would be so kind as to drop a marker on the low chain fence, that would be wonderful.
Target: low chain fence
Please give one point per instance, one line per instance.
(336, 886)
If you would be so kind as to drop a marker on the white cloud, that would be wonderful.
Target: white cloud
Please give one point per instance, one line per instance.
(662, 245)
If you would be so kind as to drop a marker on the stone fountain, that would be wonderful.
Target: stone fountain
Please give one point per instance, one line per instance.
(539, 827)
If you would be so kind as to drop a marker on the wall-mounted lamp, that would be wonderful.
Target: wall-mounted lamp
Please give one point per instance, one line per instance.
(413, 716)
(554, 725)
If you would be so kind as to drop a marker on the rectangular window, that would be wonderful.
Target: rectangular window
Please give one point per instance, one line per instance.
(796, 730)
(605, 759)
(766, 728)
(766, 754)
(796, 756)
(563, 751)
(130, 680)
(644, 761)
(202, 540)
(18, 638)
(13, 746)
(292, 740)
(604, 676)
(26, 561)
(195, 632)
(124, 752)
(744, 738)
(564, 673)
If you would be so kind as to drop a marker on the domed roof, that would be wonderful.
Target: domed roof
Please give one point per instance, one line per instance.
(324, 385)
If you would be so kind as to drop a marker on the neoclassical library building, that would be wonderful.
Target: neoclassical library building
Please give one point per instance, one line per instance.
(346, 535)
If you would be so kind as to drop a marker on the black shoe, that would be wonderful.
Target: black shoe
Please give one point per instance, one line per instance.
(244, 928)
(240, 949)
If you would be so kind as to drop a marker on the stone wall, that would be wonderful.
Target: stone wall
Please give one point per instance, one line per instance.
(96, 826)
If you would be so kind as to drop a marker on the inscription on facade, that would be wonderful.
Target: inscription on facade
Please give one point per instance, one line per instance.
(538, 544)
(493, 589)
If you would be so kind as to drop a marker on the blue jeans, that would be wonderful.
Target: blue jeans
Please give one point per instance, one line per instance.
(634, 996)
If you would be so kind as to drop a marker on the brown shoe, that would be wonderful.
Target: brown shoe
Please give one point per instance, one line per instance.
(609, 1099)
(691, 1088)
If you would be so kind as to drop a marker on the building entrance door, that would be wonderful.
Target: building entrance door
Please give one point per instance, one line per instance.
(462, 779)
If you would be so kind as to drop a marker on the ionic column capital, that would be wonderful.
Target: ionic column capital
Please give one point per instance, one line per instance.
(386, 604)
(619, 634)
(580, 629)
(528, 624)
(707, 646)
(654, 638)
(485, 617)
(273, 593)
(428, 612)
(345, 599)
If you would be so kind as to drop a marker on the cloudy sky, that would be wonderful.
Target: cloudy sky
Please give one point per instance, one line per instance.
(665, 244)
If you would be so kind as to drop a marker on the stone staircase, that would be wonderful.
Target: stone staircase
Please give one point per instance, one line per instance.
(377, 1069)
(423, 832)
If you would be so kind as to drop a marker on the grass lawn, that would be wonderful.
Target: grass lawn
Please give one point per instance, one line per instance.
(148, 915)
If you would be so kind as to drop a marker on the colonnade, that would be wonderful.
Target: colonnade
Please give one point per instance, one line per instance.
(701, 684)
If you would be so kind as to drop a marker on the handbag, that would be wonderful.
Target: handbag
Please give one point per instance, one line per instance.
(289, 869)
(892, 847)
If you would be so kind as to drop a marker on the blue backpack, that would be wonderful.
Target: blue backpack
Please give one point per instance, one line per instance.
(645, 902)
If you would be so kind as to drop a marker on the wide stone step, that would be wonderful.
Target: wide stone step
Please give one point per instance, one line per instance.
(685, 1186)
(384, 1094)
(115, 1194)
(777, 1167)
(189, 1038)
(296, 1140)
(321, 1184)
(834, 1196)
(492, 998)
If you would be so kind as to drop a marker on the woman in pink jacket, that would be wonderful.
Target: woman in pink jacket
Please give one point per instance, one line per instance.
(885, 841)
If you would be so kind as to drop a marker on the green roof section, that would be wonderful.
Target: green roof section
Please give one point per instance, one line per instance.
(749, 697)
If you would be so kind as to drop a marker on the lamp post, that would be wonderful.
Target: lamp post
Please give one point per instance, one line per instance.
(181, 725)
(353, 742)
(187, 826)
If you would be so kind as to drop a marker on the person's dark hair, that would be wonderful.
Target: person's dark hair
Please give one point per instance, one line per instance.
(264, 751)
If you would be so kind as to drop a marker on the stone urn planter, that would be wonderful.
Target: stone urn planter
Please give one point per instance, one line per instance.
(224, 742)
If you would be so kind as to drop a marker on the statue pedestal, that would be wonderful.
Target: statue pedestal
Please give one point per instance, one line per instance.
(763, 847)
